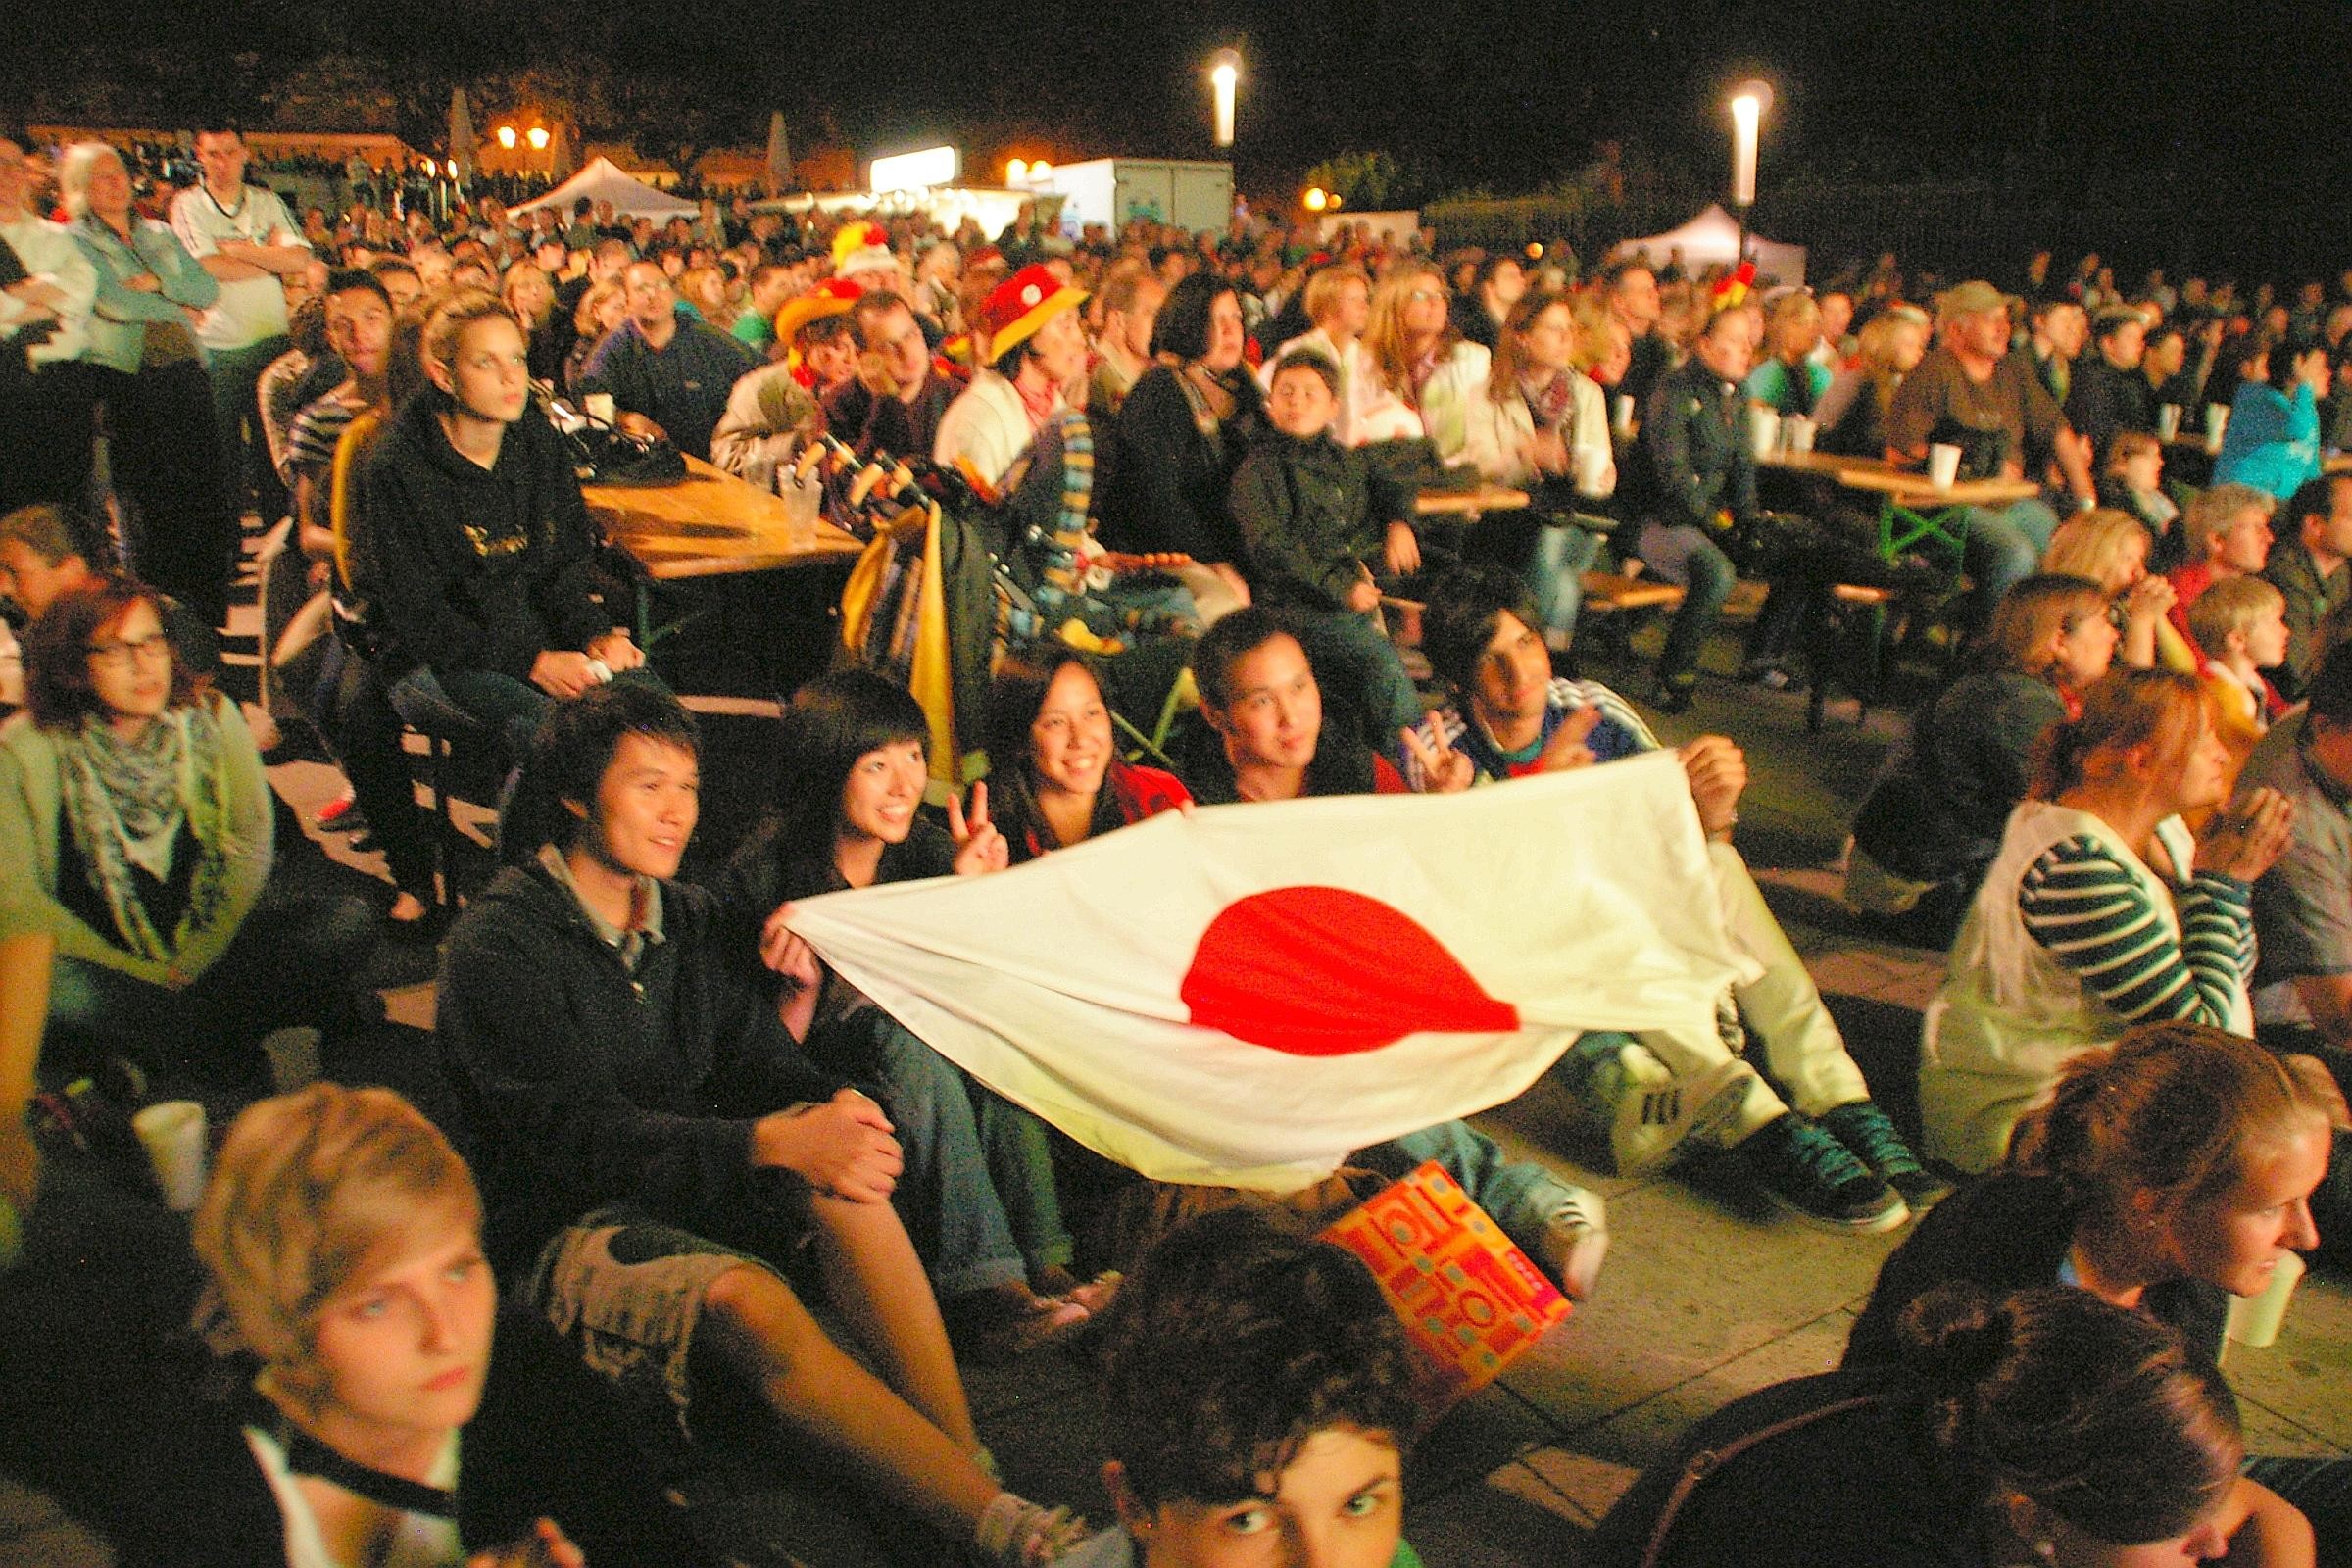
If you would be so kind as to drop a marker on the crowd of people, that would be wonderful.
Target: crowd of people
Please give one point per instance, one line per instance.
(666, 1117)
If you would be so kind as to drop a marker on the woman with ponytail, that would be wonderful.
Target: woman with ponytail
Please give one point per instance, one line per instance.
(2165, 1173)
(2099, 910)
(2049, 1427)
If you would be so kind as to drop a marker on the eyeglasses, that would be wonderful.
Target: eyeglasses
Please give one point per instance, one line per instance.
(154, 649)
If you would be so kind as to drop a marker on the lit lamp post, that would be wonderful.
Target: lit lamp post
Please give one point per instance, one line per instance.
(1224, 75)
(1750, 102)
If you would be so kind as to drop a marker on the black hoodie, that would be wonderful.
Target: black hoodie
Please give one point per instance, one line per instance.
(479, 568)
(592, 1086)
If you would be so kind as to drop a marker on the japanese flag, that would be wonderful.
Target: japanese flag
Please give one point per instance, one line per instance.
(1246, 995)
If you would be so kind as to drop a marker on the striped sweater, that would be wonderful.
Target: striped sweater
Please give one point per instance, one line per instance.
(2093, 916)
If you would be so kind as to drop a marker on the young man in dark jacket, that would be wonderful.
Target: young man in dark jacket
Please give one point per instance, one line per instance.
(652, 1138)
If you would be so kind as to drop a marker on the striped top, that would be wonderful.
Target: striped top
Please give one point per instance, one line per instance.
(2093, 916)
(1620, 733)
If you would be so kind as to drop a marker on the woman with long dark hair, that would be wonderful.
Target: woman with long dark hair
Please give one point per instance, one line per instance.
(1053, 759)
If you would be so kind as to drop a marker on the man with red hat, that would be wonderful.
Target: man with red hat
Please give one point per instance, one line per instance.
(1037, 348)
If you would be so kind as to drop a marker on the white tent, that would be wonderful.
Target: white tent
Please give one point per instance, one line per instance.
(1714, 236)
(603, 181)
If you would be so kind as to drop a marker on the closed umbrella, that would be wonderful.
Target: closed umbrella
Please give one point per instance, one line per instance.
(779, 155)
(460, 133)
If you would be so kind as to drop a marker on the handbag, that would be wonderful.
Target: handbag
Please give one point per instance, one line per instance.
(606, 456)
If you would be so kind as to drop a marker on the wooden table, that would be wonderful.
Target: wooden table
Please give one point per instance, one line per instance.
(711, 525)
(1469, 503)
(1912, 509)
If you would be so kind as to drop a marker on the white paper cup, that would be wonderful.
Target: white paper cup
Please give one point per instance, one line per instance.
(1943, 464)
(1764, 429)
(2255, 1320)
(2217, 424)
(2168, 421)
(1592, 468)
(1624, 413)
(602, 407)
(1797, 432)
(171, 1131)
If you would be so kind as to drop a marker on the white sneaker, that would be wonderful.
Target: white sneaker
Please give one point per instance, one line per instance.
(1655, 1111)
(1575, 1240)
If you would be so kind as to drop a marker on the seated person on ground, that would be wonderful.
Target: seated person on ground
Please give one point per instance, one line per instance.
(1264, 711)
(1835, 1159)
(341, 1238)
(653, 1139)
(136, 827)
(1930, 825)
(2099, 911)
(977, 1192)
(482, 544)
(2165, 1173)
(2045, 1428)
(2240, 622)
(1321, 525)
(1260, 1393)
(1058, 777)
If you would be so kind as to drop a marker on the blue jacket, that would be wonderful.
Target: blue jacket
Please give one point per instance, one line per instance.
(2272, 443)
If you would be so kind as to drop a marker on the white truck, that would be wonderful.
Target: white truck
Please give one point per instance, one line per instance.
(1193, 194)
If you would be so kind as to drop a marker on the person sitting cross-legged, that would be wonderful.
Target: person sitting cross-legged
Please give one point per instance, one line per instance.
(1833, 1159)
(653, 1139)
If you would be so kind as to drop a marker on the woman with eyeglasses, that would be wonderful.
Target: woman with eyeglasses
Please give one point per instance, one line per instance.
(135, 828)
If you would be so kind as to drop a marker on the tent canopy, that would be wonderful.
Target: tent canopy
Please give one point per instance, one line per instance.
(1713, 236)
(603, 181)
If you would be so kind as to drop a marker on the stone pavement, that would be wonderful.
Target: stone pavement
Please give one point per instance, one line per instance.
(1707, 1294)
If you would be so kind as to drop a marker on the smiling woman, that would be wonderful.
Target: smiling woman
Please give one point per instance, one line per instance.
(1059, 775)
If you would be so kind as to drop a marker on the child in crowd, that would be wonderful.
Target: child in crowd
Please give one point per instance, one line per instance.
(1258, 1393)
(2240, 622)
(1321, 523)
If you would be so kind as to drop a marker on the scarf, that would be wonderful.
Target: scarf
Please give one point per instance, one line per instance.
(125, 802)
(1549, 401)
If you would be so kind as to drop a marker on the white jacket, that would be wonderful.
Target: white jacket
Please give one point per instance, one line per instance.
(1368, 411)
(987, 426)
(1496, 435)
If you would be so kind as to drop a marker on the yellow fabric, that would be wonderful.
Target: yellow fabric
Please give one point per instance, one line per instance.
(348, 449)
(929, 676)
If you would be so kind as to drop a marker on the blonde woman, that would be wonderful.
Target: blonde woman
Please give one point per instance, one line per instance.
(1852, 414)
(2111, 548)
(1421, 360)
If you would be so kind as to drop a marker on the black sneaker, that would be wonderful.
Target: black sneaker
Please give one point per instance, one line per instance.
(1813, 1176)
(1863, 1128)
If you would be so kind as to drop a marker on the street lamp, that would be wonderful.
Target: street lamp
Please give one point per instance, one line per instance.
(1039, 171)
(505, 138)
(1750, 102)
(1316, 199)
(537, 137)
(1224, 75)
(1016, 171)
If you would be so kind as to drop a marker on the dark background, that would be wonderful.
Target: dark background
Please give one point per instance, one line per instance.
(2157, 130)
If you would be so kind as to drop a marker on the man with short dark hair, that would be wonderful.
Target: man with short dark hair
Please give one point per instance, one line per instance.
(769, 287)
(895, 401)
(2311, 565)
(2109, 394)
(244, 236)
(1501, 283)
(44, 555)
(668, 373)
(2059, 327)
(1632, 291)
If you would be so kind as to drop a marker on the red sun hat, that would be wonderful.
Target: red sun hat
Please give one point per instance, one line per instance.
(832, 297)
(1023, 303)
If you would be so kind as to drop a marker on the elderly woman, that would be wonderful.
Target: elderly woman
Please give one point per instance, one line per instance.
(136, 829)
(181, 532)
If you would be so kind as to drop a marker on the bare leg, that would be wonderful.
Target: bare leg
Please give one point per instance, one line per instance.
(763, 1332)
(877, 1283)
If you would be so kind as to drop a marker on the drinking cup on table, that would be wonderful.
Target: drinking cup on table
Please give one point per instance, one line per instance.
(1943, 464)
(1622, 420)
(2217, 424)
(2168, 421)
(1796, 432)
(602, 408)
(171, 1132)
(2255, 1320)
(1764, 429)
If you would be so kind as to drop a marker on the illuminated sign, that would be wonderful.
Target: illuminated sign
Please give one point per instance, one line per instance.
(933, 165)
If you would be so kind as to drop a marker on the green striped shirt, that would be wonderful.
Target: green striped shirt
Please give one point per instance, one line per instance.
(2093, 916)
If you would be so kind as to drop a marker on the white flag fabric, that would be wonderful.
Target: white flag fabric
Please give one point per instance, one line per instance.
(1245, 995)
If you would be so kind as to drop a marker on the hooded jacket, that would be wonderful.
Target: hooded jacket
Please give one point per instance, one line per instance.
(479, 568)
(590, 1085)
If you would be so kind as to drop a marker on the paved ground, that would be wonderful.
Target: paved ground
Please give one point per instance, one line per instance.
(1706, 1297)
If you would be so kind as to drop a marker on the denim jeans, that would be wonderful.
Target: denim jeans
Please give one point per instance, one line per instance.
(1361, 675)
(1518, 1197)
(236, 377)
(1681, 553)
(1556, 571)
(977, 1191)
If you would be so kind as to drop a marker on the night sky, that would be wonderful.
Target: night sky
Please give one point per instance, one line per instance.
(2249, 95)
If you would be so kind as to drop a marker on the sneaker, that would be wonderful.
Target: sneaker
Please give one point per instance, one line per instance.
(1574, 1240)
(342, 814)
(1863, 1128)
(1650, 1112)
(1814, 1176)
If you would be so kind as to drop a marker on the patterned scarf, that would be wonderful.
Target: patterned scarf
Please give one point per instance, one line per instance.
(125, 802)
(1548, 400)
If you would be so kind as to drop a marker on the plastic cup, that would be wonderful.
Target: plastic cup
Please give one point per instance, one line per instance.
(2217, 424)
(1592, 468)
(2168, 421)
(1623, 417)
(2255, 1320)
(1764, 429)
(171, 1132)
(1797, 432)
(1943, 464)
(602, 408)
